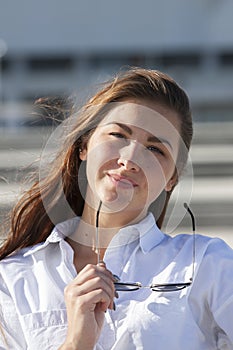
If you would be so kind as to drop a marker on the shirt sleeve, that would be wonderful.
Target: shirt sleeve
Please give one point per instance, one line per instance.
(11, 333)
(213, 290)
(222, 295)
(98, 347)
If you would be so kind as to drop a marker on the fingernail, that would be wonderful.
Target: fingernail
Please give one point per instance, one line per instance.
(101, 263)
(116, 278)
(116, 294)
(114, 306)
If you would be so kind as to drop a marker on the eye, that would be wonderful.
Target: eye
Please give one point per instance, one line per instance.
(155, 149)
(117, 135)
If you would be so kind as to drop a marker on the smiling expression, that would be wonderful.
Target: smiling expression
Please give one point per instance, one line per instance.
(131, 155)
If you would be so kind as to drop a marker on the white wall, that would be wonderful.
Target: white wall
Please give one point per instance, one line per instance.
(88, 25)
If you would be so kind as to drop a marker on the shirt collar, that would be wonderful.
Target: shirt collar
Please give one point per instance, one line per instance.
(150, 234)
(146, 231)
(58, 234)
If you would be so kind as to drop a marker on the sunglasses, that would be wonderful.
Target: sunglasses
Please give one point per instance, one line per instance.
(155, 287)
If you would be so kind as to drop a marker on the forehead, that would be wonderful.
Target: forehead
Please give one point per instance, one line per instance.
(144, 117)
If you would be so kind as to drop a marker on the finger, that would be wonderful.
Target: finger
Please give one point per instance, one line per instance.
(100, 266)
(93, 284)
(113, 277)
(84, 285)
(93, 277)
(97, 298)
(91, 271)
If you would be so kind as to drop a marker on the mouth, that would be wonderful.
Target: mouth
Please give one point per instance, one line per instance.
(122, 181)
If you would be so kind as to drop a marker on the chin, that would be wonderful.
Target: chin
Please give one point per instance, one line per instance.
(117, 206)
(113, 206)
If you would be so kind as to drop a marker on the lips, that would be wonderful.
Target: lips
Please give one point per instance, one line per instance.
(122, 180)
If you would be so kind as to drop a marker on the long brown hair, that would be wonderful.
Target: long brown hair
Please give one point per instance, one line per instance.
(31, 222)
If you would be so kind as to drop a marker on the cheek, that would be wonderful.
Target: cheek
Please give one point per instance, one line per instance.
(155, 179)
(98, 157)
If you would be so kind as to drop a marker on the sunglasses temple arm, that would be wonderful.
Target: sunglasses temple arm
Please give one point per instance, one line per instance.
(97, 247)
(194, 235)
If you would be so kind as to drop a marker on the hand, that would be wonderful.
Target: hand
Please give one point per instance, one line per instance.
(87, 298)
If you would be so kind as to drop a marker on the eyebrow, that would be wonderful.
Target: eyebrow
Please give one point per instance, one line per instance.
(152, 138)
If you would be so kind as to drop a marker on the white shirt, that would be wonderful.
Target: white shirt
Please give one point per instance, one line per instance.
(33, 312)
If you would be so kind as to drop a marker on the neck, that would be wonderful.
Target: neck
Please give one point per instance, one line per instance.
(112, 215)
(88, 248)
(112, 221)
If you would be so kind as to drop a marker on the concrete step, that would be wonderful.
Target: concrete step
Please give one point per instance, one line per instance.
(206, 160)
(35, 137)
(210, 198)
(201, 154)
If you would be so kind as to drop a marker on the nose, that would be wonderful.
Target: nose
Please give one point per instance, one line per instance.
(128, 156)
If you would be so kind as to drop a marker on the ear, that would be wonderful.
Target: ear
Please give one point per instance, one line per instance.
(83, 154)
(171, 183)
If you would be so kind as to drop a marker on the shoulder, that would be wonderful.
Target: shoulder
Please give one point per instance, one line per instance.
(13, 266)
(30, 255)
(217, 254)
(207, 249)
(210, 244)
(213, 246)
(14, 258)
(21, 262)
(213, 259)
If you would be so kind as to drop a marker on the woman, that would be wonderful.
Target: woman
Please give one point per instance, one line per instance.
(84, 233)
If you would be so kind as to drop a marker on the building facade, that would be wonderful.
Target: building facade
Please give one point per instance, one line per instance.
(56, 47)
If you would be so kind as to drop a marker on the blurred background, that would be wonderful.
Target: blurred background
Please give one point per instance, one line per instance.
(52, 48)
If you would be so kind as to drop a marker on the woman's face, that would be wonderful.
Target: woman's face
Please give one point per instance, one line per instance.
(131, 156)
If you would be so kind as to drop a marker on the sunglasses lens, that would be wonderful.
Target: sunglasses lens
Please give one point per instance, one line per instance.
(169, 287)
(126, 287)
